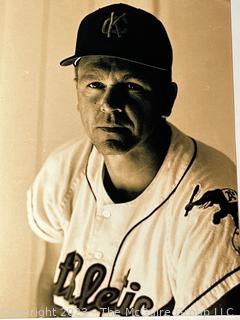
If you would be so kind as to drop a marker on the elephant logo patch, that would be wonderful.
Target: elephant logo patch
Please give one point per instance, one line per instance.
(226, 199)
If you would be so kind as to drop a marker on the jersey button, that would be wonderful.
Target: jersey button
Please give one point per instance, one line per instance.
(106, 213)
(98, 255)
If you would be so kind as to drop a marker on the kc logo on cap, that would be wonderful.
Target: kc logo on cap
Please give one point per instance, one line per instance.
(115, 25)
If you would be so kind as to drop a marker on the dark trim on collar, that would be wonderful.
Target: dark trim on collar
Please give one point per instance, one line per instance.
(86, 175)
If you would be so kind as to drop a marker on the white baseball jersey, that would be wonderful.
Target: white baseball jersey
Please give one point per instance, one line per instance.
(174, 249)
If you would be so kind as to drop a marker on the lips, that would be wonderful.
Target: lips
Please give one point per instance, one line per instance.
(112, 129)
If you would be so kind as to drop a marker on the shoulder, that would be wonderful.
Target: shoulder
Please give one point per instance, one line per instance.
(203, 162)
(213, 161)
(69, 156)
(211, 173)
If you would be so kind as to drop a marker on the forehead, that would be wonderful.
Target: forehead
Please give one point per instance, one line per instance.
(112, 64)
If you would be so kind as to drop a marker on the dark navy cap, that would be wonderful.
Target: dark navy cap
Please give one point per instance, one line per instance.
(122, 31)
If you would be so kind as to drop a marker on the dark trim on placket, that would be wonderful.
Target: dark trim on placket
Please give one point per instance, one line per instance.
(152, 212)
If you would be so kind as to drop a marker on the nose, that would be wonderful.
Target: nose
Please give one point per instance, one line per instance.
(111, 101)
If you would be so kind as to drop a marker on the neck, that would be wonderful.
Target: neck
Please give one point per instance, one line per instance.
(128, 175)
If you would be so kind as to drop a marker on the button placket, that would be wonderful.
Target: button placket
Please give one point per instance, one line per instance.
(93, 240)
(102, 213)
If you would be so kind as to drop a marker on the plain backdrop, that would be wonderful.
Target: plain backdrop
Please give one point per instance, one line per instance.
(38, 106)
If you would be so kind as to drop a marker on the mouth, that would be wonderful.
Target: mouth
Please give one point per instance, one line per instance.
(114, 129)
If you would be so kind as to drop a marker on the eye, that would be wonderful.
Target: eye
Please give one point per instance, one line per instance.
(134, 86)
(96, 85)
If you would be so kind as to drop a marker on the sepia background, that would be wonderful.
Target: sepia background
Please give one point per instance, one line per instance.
(38, 106)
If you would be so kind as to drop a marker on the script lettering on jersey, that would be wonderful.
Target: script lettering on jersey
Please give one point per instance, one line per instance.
(111, 298)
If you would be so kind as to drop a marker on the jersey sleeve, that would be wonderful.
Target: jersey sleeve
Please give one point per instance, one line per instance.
(44, 204)
(49, 199)
(204, 242)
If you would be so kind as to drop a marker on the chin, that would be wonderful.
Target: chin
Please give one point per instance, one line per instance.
(114, 147)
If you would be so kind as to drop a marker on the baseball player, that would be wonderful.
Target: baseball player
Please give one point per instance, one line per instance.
(145, 217)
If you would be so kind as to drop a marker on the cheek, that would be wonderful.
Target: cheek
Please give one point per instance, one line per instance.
(141, 111)
(85, 99)
(87, 109)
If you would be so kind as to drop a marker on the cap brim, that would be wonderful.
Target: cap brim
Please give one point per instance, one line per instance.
(74, 59)
(68, 61)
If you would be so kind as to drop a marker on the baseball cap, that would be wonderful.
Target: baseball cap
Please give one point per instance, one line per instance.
(126, 32)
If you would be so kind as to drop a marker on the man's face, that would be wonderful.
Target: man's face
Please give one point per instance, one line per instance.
(118, 103)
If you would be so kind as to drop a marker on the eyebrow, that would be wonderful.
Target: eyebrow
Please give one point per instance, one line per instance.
(134, 76)
(87, 77)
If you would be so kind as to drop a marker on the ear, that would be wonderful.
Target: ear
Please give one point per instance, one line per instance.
(170, 96)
